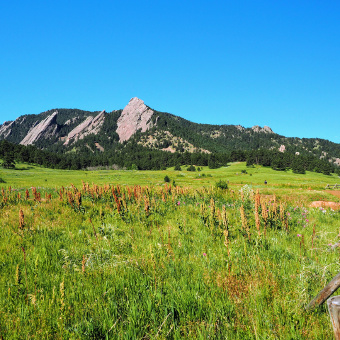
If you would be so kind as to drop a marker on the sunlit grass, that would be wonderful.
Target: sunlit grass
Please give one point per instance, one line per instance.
(130, 257)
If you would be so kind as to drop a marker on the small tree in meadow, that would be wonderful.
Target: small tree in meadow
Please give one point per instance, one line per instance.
(221, 185)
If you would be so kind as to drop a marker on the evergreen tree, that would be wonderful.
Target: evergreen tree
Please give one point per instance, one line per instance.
(8, 161)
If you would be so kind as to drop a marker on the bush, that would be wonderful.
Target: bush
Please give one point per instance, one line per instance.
(178, 167)
(221, 185)
(167, 179)
(191, 168)
(2, 181)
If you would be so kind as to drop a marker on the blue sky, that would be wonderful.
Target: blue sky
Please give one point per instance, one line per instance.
(274, 63)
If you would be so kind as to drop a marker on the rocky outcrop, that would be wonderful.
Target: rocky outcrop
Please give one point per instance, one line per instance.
(47, 128)
(265, 129)
(5, 129)
(282, 148)
(135, 116)
(91, 125)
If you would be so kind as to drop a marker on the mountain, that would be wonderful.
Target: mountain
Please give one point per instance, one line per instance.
(138, 125)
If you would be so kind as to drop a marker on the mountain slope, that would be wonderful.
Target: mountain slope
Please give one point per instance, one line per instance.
(63, 130)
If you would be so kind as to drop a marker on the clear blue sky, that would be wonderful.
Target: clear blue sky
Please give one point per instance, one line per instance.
(274, 63)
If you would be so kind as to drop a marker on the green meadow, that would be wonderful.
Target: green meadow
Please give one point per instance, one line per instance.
(111, 254)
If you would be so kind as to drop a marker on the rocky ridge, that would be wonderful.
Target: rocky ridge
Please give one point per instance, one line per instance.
(265, 129)
(44, 129)
(5, 129)
(135, 116)
(91, 125)
(66, 127)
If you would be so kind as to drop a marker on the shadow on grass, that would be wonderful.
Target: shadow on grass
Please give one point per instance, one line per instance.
(24, 168)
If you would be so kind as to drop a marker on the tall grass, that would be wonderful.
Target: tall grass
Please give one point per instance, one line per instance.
(146, 262)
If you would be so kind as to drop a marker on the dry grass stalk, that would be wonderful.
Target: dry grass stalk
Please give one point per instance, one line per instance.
(244, 221)
(212, 208)
(257, 217)
(62, 296)
(224, 217)
(21, 220)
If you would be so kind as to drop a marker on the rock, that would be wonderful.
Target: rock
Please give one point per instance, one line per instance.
(135, 116)
(91, 125)
(282, 148)
(45, 129)
(5, 129)
(265, 129)
(256, 128)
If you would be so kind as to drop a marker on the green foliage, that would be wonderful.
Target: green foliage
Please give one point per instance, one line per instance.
(177, 167)
(191, 168)
(77, 265)
(221, 185)
(133, 167)
(166, 179)
(8, 160)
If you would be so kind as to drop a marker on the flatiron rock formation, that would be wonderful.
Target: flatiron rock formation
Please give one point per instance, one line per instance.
(45, 129)
(135, 116)
(265, 129)
(5, 129)
(91, 125)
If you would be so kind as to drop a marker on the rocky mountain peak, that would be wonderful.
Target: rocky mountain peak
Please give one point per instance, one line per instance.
(265, 129)
(44, 129)
(135, 116)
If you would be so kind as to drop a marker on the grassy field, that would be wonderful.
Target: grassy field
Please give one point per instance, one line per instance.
(282, 183)
(122, 255)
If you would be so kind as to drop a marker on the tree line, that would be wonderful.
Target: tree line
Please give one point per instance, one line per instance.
(134, 156)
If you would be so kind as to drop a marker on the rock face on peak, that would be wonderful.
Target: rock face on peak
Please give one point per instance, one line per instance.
(135, 116)
(91, 125)
(5, 129)
(45, 129)
(265, 129)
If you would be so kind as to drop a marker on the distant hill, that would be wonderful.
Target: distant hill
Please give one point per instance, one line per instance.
(138, 125)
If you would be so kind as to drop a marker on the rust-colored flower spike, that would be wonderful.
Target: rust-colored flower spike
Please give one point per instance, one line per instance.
(83, 263)
(146, 204)
(21, 220)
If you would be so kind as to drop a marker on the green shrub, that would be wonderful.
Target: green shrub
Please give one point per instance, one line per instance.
(177, 167)
(221, 185)
(191, 168)
(167, 179)
(2, 181)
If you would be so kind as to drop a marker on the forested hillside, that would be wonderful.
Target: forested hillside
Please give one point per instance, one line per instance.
(77, 139)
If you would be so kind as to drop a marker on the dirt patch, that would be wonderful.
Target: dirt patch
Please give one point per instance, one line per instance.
(334, 192)
(323, 204)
